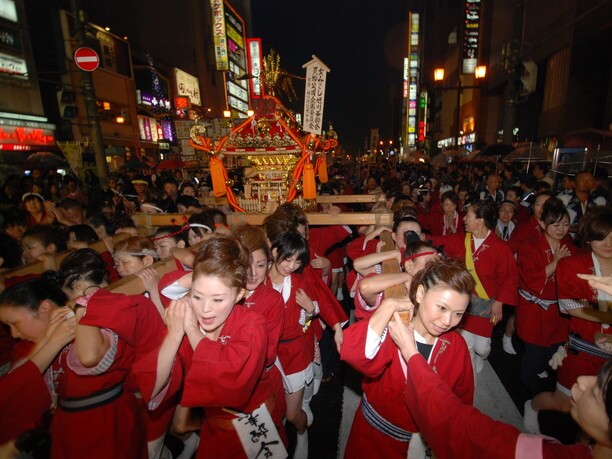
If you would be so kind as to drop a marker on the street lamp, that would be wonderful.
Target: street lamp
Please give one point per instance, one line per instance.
(480, 72)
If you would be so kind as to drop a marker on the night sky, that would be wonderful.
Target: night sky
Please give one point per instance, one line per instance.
(362, 42)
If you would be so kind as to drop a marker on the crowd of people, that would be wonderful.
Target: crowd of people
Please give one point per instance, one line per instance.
(218, 357)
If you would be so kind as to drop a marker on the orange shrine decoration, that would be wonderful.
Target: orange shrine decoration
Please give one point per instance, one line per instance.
(278, 156)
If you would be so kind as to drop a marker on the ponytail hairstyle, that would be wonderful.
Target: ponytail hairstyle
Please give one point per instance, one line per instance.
(442, 273)
(82, 265)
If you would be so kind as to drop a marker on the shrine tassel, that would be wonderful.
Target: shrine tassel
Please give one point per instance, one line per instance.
(323, 170)
(217, 173)
(308, 182)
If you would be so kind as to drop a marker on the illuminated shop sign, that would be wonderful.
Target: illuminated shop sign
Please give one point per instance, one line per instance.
(10, 38)
(187, 85)
(26, 136)
(219, 36)
(13, 65)
(412, 77)
(145, 98)
(255, 61)
(471, 34)
(8, 10)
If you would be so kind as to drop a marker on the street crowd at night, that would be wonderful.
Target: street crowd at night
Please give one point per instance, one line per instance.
(203, 256)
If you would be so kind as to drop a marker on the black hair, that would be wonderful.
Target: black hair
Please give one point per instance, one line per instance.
(202, 218)
(82, 264)
(188, 201)
(83, 233)
(47, 235)
(487, 211)
(553, 211)
(31, 293)
(290, 244)
(98, 220)
(604, 380)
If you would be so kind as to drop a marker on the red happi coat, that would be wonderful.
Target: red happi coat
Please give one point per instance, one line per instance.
(114, 429)
(362, 309)
(575, 293)
(524, 232)
(218, 374)
(24, 399)
(453, 429)
(296, 349)
(269, 303)
(434, 222)
(384, 384)
(496, 269)
(534, 324)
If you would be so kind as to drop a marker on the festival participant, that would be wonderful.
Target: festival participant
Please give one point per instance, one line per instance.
(590, 338)
(371, 287)
(83, 277)
(95, 415)
(42, 241)
(539, 323)
(530, 228)
(383, 424)
(505, 220)
(493, 267)
(38, 211)
(135, 255)
(262, 298)
(216, 351)
(306, 297)
(452, 428)
(447, 220)
(23, 392)
(167, 237)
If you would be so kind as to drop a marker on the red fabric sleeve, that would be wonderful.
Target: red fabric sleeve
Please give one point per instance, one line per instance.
(114, 311)
(353, 351)
(226, 375)
(330, 310)
(451, 428)
(24, 398)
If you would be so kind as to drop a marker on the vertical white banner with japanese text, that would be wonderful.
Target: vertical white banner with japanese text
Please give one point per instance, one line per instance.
(316, 75)
(220, 38)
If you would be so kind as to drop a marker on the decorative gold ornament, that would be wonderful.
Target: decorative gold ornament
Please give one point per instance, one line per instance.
(298, 186)
(196, 132)
(229, 182)
(263, 126)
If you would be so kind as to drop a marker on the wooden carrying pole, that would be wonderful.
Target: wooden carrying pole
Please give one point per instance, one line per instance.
(237, 218)
(37, 267)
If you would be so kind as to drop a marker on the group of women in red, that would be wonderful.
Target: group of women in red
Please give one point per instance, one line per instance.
(235, 330)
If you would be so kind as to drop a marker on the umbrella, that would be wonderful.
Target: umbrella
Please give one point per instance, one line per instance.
(587, 160)
(45, 160)
(528, 153)
(461, 152)
(497, 149)
(170, 164)
(136, 164)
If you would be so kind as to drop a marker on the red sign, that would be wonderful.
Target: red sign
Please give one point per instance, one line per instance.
(182, 102)
(86, 59)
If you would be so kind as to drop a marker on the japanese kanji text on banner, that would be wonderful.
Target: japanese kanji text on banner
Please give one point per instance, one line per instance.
(316, 75)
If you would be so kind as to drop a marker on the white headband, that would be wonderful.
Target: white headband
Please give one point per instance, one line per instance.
(200, 225)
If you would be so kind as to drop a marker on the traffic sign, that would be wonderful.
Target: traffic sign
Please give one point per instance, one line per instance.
(86, 59)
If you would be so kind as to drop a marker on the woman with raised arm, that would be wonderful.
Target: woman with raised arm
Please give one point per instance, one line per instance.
(215, 350)
(96, 415)
(590, 337)
(453, 429)
(383, 425)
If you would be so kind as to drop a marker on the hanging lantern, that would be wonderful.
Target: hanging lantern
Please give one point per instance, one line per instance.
(308, 180)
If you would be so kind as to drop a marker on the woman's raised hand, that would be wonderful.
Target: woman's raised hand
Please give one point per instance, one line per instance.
(403, 336)
(175, 316)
